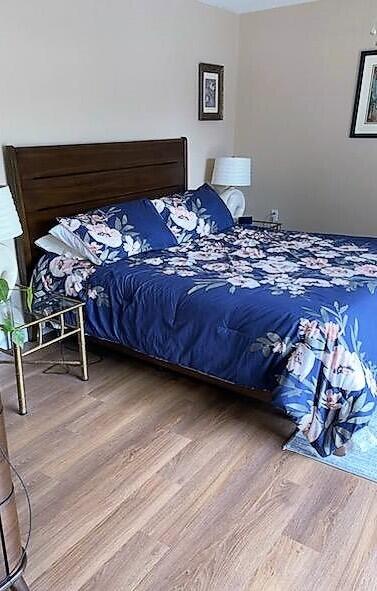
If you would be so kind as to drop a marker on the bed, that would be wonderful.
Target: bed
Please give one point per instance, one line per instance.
(288, 313)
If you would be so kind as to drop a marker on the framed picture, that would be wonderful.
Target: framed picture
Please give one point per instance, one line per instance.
(364, 120)
(211, 92)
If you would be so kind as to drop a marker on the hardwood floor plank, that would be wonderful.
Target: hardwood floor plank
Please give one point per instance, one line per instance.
(364, 570)
(326, 499)
(89, 554)
(235, 531)
(142, 480)
(199, 491)
(78, 514)
(140, 555)
(285, 567)
(353, 538)
(127, 423)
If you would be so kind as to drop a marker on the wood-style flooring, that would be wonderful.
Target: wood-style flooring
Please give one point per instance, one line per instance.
(141, 480)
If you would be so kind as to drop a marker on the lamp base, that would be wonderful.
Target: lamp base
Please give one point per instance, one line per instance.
(234, 199)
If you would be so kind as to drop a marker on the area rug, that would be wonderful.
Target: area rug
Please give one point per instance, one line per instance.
(361, 460)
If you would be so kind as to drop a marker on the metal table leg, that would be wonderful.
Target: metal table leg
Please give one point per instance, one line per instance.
(82, 345)
(22, 409)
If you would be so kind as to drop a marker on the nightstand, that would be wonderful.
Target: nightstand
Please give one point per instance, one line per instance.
(62, 314)
(259, 224)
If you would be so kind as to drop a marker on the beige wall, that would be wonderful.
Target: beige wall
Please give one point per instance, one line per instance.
(94, 70)
(298, 68)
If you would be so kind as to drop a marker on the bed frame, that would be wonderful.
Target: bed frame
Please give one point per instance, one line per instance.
(51, 181)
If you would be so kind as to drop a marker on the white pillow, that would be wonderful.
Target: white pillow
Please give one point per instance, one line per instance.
(74, 243)
(49, 243)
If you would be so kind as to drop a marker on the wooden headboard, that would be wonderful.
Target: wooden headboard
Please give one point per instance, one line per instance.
(51, 181)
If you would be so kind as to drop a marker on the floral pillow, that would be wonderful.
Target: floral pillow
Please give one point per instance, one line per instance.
(196, 213)
(115, 232)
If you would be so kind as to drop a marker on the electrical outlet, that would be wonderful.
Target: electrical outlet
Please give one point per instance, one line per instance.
(274, 215)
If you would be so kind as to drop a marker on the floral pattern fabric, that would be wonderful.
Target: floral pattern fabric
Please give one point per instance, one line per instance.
(290, 263)
(287, 312)
(195, 214)
(116, 232)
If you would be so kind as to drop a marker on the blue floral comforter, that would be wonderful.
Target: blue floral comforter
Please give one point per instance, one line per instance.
(287, 312)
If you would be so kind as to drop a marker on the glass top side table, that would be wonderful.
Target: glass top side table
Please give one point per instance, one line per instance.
(29, 321)
(260, 224)
(267, 225)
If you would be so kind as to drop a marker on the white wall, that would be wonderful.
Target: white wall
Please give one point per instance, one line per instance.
(298, 69)
(103, 70)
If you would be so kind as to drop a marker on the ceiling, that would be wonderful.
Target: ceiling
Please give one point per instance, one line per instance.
(240, 6)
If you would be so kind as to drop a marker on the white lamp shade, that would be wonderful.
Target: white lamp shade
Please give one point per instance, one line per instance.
(10, 226)
(230, 171)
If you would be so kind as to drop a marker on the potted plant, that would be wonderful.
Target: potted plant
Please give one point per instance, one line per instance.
(13, 334)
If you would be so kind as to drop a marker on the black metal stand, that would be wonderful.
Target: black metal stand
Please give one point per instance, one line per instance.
(15, 581)
(12, 553)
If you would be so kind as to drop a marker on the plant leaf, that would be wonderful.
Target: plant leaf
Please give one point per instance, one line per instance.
(18, 337)
(7, 324)
(4, 289)
(29, 297)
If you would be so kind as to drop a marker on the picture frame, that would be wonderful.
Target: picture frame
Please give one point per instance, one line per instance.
(364, 119)
(211, 92)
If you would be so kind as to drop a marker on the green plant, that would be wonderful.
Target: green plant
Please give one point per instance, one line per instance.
(16, 335)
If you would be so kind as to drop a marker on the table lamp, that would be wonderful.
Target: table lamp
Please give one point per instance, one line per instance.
(10, 227)
(232, 172)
